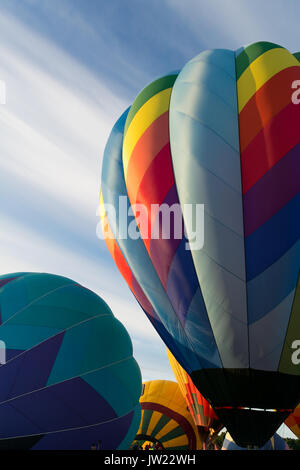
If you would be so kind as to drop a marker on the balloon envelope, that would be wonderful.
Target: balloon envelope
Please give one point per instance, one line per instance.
(165, 417)
(69, 378)
(220, 140)
(203, 414)
(293, 421)
(275, 443)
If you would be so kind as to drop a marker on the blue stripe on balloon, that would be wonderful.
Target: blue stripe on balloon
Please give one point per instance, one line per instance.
(199, 331)
(273, 285)
(273, 239)
(111, 159)
(266, 350)
(182, 280)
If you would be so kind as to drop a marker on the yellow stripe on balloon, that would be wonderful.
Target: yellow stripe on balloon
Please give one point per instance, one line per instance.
(177, 442)
(260, 71)
(146, 115)
(179, 372)
(153, 422)
(141, 423)
(102, 212)
(106, 228)
(170, 426)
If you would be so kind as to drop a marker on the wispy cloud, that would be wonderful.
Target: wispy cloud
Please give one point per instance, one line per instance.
(53, 130)
(232, 24)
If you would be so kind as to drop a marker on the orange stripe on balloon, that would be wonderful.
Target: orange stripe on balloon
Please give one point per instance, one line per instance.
(155, 185)
(122, 265)
(108, 234)
(115, 251)
(146, 149)
(272, 143)
(267, 102)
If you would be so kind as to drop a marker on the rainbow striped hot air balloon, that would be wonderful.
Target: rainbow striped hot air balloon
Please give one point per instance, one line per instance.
(165, 417)
(69, 379)
(222, 133)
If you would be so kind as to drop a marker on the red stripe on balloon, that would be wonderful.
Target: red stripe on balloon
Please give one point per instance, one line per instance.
(116, 253)
(147, 147)
(270, 145)
(125, 270)
(154, 187)
(265, 104)
(262, 202)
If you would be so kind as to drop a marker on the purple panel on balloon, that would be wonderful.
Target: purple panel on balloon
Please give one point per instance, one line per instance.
(29, 370)
(72, 403)
(110, 435)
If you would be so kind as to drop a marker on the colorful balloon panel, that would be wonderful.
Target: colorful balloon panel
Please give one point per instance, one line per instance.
(275, 443)
(69, 379)
(165, 417)
(141, 276)
(221, 133)
(293, 421)
(202, 412)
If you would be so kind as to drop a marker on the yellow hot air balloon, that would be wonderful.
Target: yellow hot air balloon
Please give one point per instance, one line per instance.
(205, 418)
(166, 419)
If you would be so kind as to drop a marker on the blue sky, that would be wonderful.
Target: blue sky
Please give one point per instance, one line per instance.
(71, 68)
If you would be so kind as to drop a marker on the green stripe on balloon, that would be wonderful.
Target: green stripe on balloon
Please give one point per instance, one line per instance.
(161, 424)
(146, 420)
(151, 90)
(177, 432)
(251, 53)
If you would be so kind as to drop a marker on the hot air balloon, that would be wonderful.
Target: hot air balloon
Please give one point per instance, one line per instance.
(217, 142)
(69, 379)
(203, 414)
(275, 443)
(293, 421)
(165, 417)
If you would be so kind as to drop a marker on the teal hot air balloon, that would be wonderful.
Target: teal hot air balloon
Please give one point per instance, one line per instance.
(223, 133)
(69, 379)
